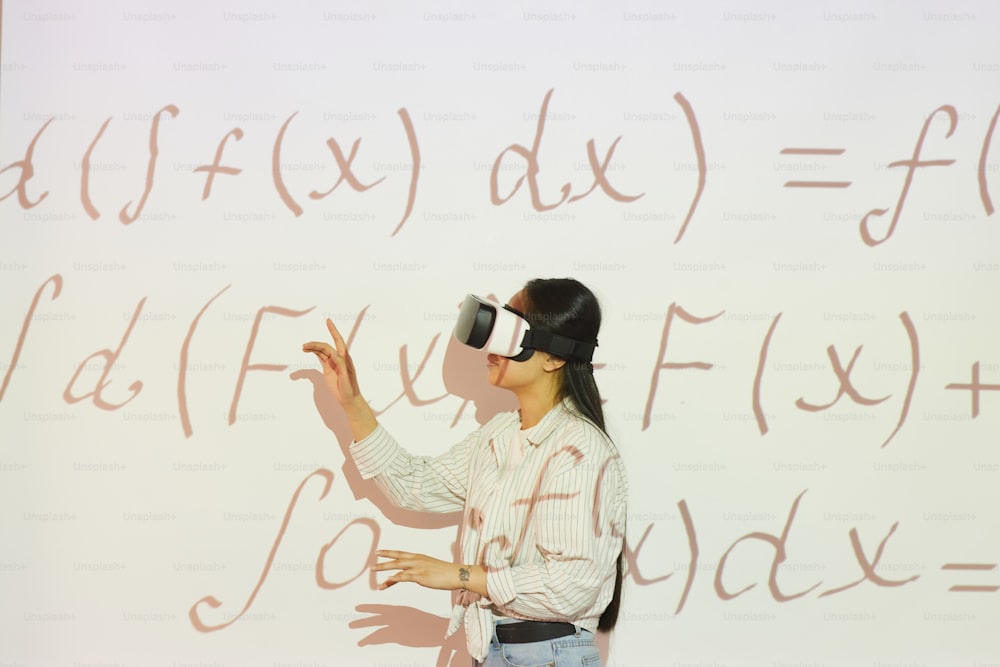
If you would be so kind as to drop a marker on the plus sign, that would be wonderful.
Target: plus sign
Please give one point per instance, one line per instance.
(975, 387)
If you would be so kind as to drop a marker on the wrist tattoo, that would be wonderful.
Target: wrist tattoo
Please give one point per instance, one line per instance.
(463, 577)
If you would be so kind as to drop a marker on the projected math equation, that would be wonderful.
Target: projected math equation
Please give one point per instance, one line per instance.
(525, 159)
(106, 360)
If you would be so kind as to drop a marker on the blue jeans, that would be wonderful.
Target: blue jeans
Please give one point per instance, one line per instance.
(577, 650)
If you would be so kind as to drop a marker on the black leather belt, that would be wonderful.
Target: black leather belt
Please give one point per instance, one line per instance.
(525, 632)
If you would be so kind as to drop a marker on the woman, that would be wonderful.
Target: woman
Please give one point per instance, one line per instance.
(542, 490)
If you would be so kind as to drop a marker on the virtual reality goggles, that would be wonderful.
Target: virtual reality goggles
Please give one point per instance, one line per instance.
(503, 331)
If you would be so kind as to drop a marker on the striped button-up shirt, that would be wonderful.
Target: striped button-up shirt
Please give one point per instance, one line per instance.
(548, 532)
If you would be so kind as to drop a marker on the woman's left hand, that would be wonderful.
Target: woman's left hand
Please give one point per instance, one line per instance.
(420, 569)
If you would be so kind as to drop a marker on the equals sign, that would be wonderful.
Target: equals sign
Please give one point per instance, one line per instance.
(976, 567)
(814, 184)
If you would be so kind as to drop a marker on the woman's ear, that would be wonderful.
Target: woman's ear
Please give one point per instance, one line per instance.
(552, 363)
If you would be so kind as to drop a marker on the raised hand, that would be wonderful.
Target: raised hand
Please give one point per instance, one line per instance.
(342, 380)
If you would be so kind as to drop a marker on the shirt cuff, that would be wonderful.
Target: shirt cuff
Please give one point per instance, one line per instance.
(501, 584)
(373, 453)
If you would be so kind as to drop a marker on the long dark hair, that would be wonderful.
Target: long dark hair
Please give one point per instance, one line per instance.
(567, 307)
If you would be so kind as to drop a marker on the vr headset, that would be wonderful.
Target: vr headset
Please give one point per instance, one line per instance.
(505, 332)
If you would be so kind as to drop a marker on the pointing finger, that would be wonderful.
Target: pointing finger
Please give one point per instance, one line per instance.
(337, 338)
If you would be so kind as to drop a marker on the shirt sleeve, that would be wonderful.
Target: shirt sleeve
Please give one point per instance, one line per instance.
(422, 483)
(576, 526)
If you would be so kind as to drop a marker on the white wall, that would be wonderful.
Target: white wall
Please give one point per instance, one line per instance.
(152, 435)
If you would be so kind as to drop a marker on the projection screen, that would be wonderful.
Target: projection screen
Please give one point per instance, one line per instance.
(788, 211)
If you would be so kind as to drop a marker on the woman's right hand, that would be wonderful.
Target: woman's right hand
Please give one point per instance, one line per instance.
(342, 380)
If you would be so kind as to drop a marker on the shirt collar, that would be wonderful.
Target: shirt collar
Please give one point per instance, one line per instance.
(555, 417)
(552, 419)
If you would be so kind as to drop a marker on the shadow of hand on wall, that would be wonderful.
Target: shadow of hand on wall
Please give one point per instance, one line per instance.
(407, 626)
(333, 417)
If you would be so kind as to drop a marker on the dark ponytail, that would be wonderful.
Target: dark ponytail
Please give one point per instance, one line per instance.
(566, 307)
(610, 615)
